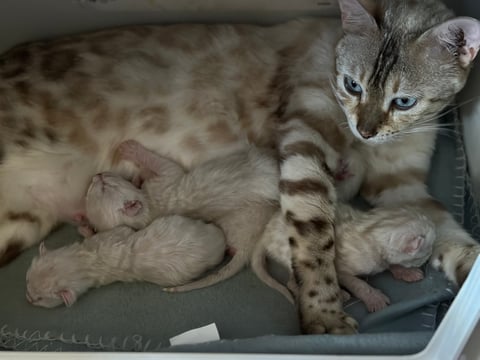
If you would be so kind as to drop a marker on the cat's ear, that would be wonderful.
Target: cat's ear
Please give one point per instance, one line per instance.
(355, 17)
(42, 249)
(460, 36)
(412, 243)
(132, 207)
(68, 296)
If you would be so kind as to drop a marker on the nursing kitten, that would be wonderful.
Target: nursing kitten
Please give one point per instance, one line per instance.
(170, 251)
(237, 192)
(195, 92)
(366, 243)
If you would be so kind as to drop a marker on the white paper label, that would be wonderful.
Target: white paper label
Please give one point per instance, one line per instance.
(196, 336)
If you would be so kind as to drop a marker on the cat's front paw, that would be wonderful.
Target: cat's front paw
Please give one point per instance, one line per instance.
(406, 274)
(376, 300)
(345, 295)
(330, 322)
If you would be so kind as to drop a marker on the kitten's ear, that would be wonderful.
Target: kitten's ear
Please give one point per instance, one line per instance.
(460, 36)
(412, 243)
(42, 249)
(68, 297)
(355, 17)
(132, 207)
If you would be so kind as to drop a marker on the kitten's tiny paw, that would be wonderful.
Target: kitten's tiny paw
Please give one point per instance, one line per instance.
(407, 274)
(376, 301)
(128, 150)
(345, 295)
(86, 231)
(331, 322)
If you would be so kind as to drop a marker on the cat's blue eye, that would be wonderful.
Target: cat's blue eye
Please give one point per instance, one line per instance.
(404, 103)
(352, 86)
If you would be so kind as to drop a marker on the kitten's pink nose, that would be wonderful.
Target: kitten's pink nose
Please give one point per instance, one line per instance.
(29, 298)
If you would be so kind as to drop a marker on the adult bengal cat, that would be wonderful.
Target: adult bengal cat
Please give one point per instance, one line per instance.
(193, 92)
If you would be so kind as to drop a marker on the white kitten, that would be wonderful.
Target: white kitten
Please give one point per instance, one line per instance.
(398, 239)
(237, 192)
(172, 250)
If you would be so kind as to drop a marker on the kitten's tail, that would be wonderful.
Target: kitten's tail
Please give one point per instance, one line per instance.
(237, 263)
(259, 267)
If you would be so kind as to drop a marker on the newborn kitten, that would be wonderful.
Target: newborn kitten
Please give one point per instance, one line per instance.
(170, 251)
(237, 192)
(213, 191)
(367, 243)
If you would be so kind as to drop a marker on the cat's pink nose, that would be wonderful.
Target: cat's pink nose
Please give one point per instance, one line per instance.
(29, 298)
(367, 134)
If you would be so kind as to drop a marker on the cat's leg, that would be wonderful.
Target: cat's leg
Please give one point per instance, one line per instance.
(308, 200)
(373, 299)
(406, 274)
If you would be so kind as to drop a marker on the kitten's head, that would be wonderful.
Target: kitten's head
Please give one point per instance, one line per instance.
(411, 239)
(399, 64)
(54, 279)
(111, 201)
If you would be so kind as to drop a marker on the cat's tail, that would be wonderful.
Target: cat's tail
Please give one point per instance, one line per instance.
(259, 267)
(236, 264)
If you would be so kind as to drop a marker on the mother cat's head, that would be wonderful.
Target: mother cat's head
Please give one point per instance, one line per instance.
(400, 63)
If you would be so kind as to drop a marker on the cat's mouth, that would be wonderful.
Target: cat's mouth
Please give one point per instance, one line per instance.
(372, 138)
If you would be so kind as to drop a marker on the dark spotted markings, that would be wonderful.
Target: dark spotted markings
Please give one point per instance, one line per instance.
(12, 251)
(55, 65)
(15, 63)
(315, 225)
(300, 187)
(23, 216)
(328, 280)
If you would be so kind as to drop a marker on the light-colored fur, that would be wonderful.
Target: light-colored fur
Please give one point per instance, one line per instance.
(196, 92)
(172, 250)
(236, 192)
(367, 243)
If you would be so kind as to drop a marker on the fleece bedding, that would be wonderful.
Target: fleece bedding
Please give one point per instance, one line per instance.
(250, 317)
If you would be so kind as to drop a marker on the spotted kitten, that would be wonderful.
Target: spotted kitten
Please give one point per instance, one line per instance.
(193, 92)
